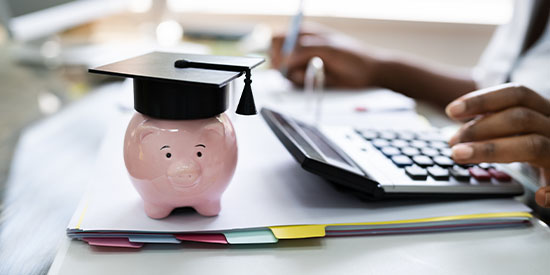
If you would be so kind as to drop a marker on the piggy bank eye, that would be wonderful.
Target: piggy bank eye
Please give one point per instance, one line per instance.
(199, 153)
(168, 155)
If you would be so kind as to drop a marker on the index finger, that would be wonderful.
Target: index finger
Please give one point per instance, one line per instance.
(495, 99)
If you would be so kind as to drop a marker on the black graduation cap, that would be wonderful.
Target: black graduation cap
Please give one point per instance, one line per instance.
(185, 86)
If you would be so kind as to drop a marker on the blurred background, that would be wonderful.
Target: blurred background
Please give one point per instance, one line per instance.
(46, 46)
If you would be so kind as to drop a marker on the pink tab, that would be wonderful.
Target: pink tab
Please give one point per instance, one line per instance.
(112, 242)
(202, 238)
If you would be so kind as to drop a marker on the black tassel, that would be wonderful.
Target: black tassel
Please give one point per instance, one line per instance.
(246, 103)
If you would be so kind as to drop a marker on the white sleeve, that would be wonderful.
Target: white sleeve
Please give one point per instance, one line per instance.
(504, 48)
(533, 68)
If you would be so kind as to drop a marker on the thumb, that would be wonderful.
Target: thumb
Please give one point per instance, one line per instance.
(542, 197)
(544, 177)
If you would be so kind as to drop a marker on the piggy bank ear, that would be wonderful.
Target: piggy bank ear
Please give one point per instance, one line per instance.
(142, 131)
(215, 128)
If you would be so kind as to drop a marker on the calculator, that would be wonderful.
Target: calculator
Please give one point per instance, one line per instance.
(380, 163)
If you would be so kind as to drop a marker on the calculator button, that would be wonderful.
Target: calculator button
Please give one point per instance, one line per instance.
(479, 174)
(484, 165)
(438, 144)
(438, 173)
(499, 175)
(410, 151)
(429, 136)
(401, 160)
(406, 135)
(416, 173)
(399, 143)
(390, 151)
(419, 144)
(379, 143)
(443, 161)
(388, 135)
(459, 173)
(446, 152)
(430, 152)
(368, 134)
(423, 160)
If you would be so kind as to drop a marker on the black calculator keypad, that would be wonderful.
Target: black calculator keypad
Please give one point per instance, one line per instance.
(427, 154)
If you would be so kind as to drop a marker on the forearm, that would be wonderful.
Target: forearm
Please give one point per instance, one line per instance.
(425, 82)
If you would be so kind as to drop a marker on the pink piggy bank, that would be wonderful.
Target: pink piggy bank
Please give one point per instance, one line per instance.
(176, 163)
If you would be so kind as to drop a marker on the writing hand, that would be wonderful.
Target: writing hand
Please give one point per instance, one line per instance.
(346, 64)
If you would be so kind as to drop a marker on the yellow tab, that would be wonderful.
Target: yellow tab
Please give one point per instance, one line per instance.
(82, 216)
(298, 231)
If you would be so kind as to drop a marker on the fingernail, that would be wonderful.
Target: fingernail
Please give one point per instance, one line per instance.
(453, 140)
(456, 108)
(462, 151)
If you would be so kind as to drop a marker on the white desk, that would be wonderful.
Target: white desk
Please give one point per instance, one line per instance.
(501, 251)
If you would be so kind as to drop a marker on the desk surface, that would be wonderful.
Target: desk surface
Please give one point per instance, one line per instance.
(466, 252)
(503, 251)
(500, 251)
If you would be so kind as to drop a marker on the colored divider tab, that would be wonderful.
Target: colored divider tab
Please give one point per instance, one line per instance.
(202, 238)
(441, 228)
(112, 242)
(252, 236)
(299, 231)
(312, 231)
(445, 218)
(153, 239)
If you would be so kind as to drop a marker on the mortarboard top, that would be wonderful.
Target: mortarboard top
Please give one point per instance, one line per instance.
(184, 86)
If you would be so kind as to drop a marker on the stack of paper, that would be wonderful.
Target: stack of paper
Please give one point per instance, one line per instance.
(270, 198)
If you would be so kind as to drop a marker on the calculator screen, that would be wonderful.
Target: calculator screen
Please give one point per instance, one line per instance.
(301, 138)
(322, 145)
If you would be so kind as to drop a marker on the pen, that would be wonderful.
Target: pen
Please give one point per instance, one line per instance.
(292, 36)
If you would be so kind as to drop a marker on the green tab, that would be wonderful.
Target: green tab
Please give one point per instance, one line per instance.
(253, 236)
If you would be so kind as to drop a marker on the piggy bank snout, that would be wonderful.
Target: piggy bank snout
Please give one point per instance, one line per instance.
(184, 172)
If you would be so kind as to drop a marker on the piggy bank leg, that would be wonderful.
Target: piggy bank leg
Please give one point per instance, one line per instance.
(156, 211)
(209, 208)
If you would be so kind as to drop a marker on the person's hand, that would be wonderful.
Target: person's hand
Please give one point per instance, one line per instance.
(508, 123)
(346, 65)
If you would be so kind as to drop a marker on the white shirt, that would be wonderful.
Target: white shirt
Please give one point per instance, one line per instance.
(502, 55)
